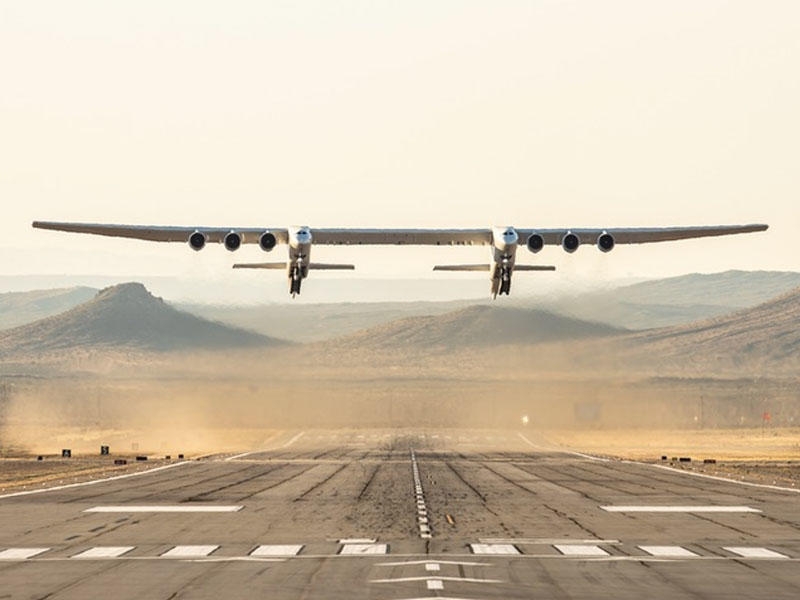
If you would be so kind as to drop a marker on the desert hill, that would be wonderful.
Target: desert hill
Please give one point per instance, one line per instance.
(19, 308)
(677, 300)
(477, 326)
(126, 316)
(765, 336)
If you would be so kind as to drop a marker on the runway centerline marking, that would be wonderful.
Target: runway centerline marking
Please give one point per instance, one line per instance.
(178, 508)
(437, 578)
(21, 553)
(681, 509)
(105, 552)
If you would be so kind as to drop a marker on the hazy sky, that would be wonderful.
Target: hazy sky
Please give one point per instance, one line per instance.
(369, 113)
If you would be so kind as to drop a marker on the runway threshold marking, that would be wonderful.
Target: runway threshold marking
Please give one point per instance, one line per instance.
(95, 481)
(178, 508)
(435, 584)
(747, 552)
(497, 549)
(681, 509)
(580, 550)
(21, 553)
(189, 551)
(668, 551)
(104, 552)
(543, 541)
(277, 550)
(363, 549)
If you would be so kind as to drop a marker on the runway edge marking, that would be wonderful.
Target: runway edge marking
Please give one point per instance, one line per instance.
(94, 481)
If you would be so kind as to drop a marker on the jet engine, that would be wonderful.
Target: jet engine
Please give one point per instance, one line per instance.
(232, 241)
(570, 242)
(197, 241)
(267, 241)
(605, 242)
(535, 242)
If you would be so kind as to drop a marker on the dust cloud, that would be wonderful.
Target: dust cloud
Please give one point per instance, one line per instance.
(236, 401)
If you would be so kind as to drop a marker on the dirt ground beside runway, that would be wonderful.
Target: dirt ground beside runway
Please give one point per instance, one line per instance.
(768, 456)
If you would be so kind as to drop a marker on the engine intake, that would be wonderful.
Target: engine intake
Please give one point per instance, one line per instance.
(232, 241)
(267, 241)
(605, 242)
(197, 241)
(570, 242)
(535, 243)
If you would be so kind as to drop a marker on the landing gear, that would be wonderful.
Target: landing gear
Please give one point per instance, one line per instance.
(505, 282)
(295, 279)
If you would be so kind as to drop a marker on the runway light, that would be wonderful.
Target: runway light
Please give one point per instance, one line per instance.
(525, 419)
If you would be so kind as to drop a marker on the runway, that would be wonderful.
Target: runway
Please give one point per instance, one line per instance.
(403, 515)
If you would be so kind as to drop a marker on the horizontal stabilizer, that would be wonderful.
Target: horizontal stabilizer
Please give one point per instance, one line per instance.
(534, 268)
(270, 265)
(330, 267)
(282, 265)
(461, 268)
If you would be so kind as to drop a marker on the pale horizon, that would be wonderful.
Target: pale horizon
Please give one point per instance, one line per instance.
(444, 114)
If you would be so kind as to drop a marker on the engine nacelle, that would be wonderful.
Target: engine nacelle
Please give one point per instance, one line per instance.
(570, 242)
(535, 243)
(232, 241)
(606, 242)
(267, 241)
(197, 241)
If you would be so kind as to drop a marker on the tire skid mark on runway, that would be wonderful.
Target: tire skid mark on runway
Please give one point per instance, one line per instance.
(368, 483)
(509, 480)
(276, 484)
(573, 520)
(159, 482)
(322, 482)
(202, 495)
(723, 525)
(559, 482)
(608, 473)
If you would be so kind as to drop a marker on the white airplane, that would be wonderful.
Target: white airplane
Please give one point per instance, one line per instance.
(503, 240)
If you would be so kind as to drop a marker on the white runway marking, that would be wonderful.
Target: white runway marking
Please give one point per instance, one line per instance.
(70, 486)
(437, 578)
(358, 541)
(21, 553)
(361, 549)
(432, 567)
(502, 549)
(189, 551)
(286, 445)
(754, 552)
(286, 550)
(104, 552)
(438, 562)
(715, 477)
(543, 541)
(435, 584)
(668, 551)
(544, 449)
(580, 550)
(682, 509)
(179, 508)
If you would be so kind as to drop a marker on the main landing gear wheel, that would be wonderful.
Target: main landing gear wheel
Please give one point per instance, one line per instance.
(294, 282)
(505, 283)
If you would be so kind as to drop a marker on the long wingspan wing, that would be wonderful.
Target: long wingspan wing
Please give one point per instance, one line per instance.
(411, 237)
(155, 233)
(639, 235)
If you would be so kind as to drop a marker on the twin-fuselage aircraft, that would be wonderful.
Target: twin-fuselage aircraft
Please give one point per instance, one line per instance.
(504, 242)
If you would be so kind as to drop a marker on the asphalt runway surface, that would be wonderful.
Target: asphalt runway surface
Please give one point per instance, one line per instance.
(403, 515)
